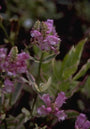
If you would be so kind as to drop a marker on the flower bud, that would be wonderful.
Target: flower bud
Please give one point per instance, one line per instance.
(37, 25)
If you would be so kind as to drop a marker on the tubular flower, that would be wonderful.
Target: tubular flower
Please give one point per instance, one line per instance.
(82, 122)
(44, 36)
(53, 107)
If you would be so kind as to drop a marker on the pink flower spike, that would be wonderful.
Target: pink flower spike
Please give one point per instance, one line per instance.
(16, 66)
(46, 37)
(60, 100)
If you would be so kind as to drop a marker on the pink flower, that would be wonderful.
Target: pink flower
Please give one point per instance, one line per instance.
(82, 122)
(8, 86)
(35, 34)
(13, 64)
(45, 37)
(51, 42)
(49, 24)
(18, 65)
(53, 107)
(3, 53)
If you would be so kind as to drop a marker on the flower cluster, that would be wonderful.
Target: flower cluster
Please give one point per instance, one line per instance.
(44, 36)
(11, 65)
(82, 122)
(53, 107)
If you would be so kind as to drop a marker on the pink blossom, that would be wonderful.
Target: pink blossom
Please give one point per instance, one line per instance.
(82, 122)
(44, 110)
(3, 53)
(35, 34)
(53, 107)
(46, 37)
(13, 65)
(49, 24)
(46, 99)
(8, 86)
(51, 42)
(60, 100)
(18, 65)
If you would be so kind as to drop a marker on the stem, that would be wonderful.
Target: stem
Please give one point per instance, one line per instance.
(38, 78)
(10, 98)
(33, 104)
(39, 67)
(6, 34)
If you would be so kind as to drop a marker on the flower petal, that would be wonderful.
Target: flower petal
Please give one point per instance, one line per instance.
(43, 110)
(60, 100)
(80, 121)
(86, 125)
(60, 115)
(46, 99)
(35, 33)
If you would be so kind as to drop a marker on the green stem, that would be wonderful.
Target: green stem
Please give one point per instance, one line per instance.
(38, 79)
(10, 99)
(6, 34)
(39, 67)
(35, 99)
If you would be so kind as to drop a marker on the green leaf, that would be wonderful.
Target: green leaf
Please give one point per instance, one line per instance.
(71, 114)
(56, 68)
(68, 86)
(26, 114)
(17, 92)
(45, 60)
(15, 122)
(86, 89)
(71, 60)
(46, 71)
(48, 58)
(43, 86)
(82, 70)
